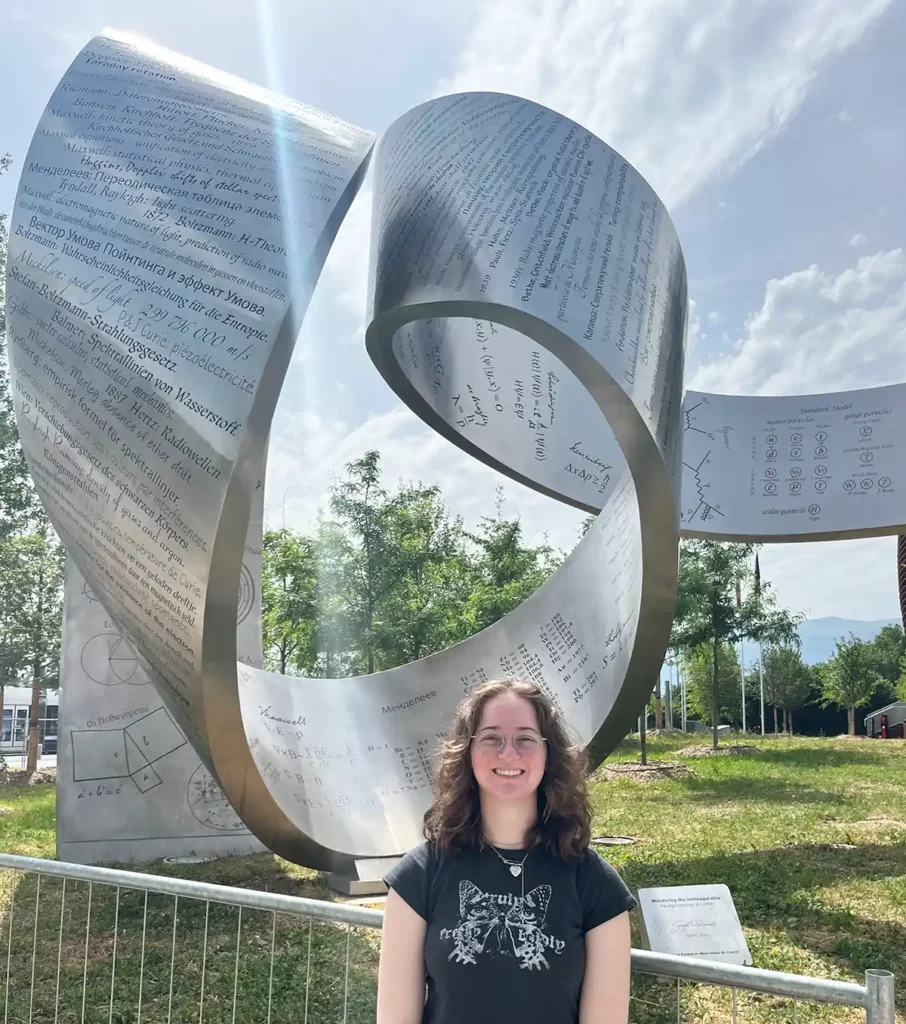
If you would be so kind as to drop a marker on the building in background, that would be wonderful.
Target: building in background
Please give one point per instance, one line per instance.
(14, 736)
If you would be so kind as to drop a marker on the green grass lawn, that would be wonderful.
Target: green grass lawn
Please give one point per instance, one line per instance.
(809, 835)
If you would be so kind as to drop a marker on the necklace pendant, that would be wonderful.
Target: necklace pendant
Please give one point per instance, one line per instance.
(515, 870)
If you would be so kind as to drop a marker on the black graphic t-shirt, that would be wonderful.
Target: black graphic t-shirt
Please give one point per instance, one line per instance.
(501, 946)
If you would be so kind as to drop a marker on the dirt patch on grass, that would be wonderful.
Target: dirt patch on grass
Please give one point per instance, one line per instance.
(654, 771)
(43, 776)
(726, 750)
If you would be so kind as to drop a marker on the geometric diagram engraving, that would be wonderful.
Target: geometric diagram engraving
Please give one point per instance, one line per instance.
(208, 803)
(246, 594)
(108, 659)
(130, 752)
(88, 593)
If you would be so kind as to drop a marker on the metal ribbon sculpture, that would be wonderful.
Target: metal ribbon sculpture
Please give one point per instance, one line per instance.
(528, 301)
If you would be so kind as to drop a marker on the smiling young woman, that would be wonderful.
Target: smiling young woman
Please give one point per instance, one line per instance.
(504, 912)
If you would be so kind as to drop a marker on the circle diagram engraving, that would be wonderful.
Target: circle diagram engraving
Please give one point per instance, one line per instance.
(108, 659)
(209, 805)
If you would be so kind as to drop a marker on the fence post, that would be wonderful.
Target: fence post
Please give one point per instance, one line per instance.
(879, 985)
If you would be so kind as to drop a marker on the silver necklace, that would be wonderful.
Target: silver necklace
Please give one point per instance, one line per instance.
(515, 866)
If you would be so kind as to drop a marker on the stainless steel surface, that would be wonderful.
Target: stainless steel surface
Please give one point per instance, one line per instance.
(528, 302)
(165, 218)
(794, 467)
(130, 787)
(880, 1006)
(876, 996)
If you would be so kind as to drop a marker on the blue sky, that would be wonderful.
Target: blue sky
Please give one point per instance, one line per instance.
(773, 130)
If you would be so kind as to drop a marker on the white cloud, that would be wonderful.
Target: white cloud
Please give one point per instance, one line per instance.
(858, 241)
(845, 117)
(685, 91)
(820, 332)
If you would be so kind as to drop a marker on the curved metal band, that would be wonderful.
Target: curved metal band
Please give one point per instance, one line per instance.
(528, 299)
(327, 771)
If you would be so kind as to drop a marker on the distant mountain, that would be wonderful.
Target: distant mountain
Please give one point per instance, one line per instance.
(819, 636)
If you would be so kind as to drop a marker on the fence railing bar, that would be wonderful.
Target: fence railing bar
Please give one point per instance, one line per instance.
(270, 982)
(346, 978)
(85, 965)
(311, 925)
(172, 959)
(56, 1000)
(639, 1001)
(679, 1001)
(204, 959)
(300, 906)
(733, 998)
(9, 951)
(879, 1004)
(141, 966)
(752, 979)
(34, 950)
(116, 926)
(236, 968)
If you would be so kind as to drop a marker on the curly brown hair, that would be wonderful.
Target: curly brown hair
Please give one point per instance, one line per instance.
(563, 828)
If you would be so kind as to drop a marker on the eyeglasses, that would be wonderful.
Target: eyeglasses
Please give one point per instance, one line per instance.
(526, 743)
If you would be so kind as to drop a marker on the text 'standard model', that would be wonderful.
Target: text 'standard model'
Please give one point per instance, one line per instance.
(528, 301)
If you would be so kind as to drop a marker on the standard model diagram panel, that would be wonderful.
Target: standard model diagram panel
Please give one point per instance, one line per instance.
(784, 468)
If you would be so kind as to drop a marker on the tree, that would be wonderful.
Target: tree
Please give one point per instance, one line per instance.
(421, 613)
(889, 648)
(698, 670)
(850, 677)
(18, 501)
(901, 682)
(289, 581)
(356, 502)
(710, 609)
(388, 578)
(788, 682)
(405, 570)
(508, 570)
(32, 566)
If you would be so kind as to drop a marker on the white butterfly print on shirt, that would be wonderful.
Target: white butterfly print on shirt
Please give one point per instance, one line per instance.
(491, 924)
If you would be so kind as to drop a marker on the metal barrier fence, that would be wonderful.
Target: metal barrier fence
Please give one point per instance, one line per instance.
(86, 944)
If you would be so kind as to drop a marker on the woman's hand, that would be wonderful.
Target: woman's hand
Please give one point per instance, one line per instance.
(401, 976)
(605, 990)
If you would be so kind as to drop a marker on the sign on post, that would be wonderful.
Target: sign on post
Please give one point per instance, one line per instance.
(693, 920)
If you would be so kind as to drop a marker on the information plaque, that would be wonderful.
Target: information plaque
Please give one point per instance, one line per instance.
(694, 920)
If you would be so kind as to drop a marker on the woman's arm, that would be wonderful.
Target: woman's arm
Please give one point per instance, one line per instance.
(401, 975)
(605, 990)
